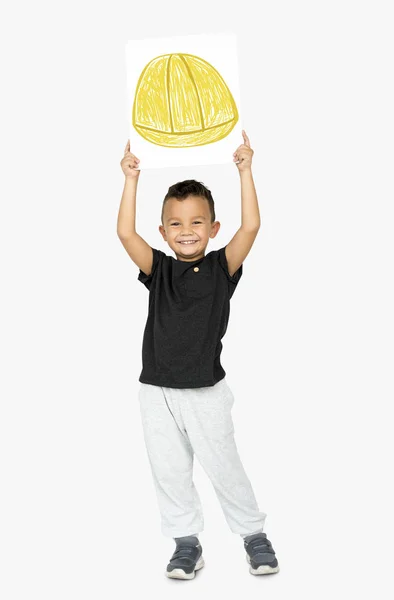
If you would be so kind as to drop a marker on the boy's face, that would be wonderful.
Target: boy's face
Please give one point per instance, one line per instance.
(188, 219)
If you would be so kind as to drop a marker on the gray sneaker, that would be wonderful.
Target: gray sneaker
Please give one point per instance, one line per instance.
(186, 559)
(260, 554)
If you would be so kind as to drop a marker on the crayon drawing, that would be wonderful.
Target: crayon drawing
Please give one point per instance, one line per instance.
(182, 100)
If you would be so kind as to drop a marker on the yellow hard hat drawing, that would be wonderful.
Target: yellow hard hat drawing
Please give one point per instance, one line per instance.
(181, 100)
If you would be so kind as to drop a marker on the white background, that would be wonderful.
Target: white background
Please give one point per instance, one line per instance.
(309, 348)
(220, 51)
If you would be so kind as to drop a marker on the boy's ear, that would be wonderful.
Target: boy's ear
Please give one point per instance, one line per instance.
(215, 229)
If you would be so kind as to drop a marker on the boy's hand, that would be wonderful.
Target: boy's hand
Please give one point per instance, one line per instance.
(243, 154)
(129, 163)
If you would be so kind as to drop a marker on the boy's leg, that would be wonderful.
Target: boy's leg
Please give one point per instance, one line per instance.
(171, 459)
(206, 413)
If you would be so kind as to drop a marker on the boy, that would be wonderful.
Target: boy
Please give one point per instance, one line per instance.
(185, 400)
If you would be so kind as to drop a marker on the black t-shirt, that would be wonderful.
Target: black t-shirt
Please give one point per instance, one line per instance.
(189, 309)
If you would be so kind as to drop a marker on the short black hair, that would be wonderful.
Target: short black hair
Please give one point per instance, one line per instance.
(189, 187)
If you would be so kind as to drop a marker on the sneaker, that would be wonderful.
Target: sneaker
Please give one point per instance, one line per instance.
(186, 559)
(260, 554)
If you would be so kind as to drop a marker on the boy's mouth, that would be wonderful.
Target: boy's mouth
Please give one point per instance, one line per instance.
(188, 243)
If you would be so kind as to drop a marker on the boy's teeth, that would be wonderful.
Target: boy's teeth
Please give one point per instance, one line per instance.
(188, 242)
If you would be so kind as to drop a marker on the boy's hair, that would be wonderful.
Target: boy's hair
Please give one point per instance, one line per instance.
(189, 187)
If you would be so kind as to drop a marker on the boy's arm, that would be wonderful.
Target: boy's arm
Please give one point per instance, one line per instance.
(239, 247)
(139, 251)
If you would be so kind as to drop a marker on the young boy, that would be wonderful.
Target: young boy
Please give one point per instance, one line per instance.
(184, 398)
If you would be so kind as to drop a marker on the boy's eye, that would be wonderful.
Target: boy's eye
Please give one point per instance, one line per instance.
(178, 223)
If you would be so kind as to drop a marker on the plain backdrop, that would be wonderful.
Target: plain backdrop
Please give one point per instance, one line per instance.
(309, 348)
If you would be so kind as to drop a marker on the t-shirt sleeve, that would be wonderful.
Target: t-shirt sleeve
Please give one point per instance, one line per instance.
(147, 279)
(234, 279)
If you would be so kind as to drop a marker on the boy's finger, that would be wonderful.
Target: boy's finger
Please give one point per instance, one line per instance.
(247, 142)
(130, 155)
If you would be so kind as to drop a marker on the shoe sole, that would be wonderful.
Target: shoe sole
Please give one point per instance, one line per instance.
(181, 574)
(262, 569)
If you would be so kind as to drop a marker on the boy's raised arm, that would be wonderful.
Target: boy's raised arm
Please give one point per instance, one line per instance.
(139, 251)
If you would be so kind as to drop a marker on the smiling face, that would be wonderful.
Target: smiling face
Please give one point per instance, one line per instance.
(188, 219)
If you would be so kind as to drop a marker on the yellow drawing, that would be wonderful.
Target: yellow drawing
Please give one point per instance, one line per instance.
(181, 100)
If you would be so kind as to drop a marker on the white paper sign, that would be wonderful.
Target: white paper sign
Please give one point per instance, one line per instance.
(183, 100)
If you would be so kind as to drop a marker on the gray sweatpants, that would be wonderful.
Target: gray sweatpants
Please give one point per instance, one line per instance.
(178, 423)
